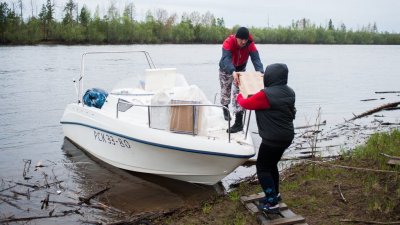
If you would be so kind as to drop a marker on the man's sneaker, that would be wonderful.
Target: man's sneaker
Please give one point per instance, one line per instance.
(268, 205)
(265, 200)
(268, 208)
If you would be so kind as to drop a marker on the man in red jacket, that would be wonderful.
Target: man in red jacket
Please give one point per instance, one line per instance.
(236, 50)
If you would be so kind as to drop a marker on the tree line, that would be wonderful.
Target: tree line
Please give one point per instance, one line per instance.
(80, 26)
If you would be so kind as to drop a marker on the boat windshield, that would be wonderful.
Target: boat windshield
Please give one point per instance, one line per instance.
(134, 82)
(113, 70)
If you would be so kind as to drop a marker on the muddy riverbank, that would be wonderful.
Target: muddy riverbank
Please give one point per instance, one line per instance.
(44, 194)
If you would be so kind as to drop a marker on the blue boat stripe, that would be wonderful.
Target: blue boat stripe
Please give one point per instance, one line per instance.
(160, 145)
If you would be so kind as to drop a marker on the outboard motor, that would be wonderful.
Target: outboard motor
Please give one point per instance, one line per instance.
(95, 97)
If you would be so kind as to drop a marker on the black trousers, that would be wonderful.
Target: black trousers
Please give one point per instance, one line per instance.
(267, 166)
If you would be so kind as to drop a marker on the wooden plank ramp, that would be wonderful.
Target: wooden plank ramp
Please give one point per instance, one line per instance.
(394, 162)
(285, 217)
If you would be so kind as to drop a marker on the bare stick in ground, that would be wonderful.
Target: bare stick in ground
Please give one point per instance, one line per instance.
(45, 202)
(341, 194)
(45, 180)
(27, 165)
(87, 200)
(313, 139)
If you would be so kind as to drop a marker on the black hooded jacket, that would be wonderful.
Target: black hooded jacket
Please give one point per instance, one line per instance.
(275, 124)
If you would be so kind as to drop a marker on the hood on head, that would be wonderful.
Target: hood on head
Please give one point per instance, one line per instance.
(276, 74)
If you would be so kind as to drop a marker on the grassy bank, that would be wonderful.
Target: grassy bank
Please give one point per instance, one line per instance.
(358, 188)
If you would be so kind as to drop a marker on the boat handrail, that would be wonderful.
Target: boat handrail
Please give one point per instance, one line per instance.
(131, 104)
(82, 72)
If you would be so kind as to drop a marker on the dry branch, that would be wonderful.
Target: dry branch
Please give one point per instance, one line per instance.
(8, 188)
(392, 108)
(101, 207)
(20, 193)
(314, 125)
(10, 203)
(27, 185)
(390, 156)
(386, 92)
(9, 196)
(27, 165)
(354, 168)
(46, 184)
(87, 200)
(369, 112)
(369, 99)
(143, 218)
(388, 123)
(341, 194)
(368, 222)
(30, 218)
(45, 202)
(43, 186)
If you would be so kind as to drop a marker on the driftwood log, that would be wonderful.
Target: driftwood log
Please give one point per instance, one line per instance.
(369, 112)
(386, 92)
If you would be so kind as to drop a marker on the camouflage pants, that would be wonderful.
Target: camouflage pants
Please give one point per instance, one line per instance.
(226, 81)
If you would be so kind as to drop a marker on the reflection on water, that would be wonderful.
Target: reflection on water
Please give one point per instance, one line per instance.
(53, 191)
(134, 192)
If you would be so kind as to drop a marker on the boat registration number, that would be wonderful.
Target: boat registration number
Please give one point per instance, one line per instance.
(111, 139)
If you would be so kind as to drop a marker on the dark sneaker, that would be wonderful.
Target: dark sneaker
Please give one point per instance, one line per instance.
(265, 200)
(268, 208)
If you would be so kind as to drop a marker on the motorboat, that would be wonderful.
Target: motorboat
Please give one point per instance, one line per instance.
(161, 125)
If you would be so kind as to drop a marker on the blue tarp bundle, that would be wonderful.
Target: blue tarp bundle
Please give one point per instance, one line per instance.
(95, 97)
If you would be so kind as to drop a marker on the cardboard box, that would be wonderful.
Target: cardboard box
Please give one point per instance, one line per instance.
(250, 83)
(184, 119)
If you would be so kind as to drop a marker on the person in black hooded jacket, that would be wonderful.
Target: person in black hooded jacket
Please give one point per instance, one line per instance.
(275, 112)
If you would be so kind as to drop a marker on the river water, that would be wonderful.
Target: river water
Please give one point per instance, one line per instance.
(36, 85)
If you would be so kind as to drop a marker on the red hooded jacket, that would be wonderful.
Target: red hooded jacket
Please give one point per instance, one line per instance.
(234, 58)
(239, 55)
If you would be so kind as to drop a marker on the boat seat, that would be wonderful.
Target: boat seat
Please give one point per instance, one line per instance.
(160, 79)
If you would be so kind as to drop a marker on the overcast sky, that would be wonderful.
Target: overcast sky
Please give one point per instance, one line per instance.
(261, 13)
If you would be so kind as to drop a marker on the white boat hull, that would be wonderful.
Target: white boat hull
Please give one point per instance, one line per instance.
(137, 147)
